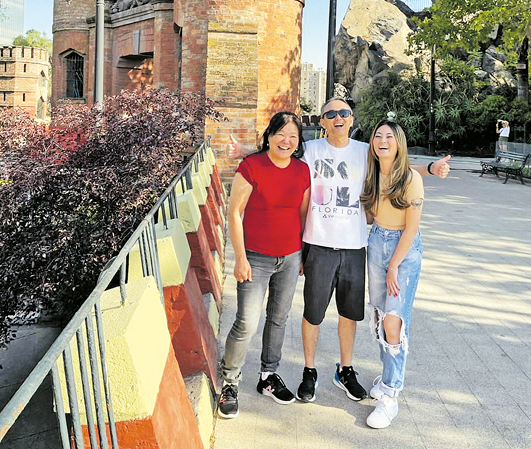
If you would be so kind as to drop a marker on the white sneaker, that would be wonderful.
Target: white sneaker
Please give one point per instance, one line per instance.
(384, 413)
(375, 392)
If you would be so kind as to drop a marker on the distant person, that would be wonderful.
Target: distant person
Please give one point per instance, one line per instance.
(393, 196)
(335, 237)
(272, 190)
(503, 129)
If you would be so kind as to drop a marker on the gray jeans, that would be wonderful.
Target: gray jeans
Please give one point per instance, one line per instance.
(280, 274)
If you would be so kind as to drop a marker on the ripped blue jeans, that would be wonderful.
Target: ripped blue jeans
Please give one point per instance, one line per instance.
(382, 245)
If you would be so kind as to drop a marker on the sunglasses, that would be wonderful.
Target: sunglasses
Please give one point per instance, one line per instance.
(343, 113)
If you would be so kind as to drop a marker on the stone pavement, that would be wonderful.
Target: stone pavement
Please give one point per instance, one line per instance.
(468, 379)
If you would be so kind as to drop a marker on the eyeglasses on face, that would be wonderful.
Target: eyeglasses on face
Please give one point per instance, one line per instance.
(343, 113)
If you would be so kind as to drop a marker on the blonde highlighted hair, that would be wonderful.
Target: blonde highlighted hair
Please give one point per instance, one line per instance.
(400, 176)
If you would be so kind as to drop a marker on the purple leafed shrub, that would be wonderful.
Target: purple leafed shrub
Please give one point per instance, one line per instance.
(66, 209)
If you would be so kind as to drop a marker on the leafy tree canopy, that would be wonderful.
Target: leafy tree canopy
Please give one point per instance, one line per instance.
(456, 23)
(34, 38)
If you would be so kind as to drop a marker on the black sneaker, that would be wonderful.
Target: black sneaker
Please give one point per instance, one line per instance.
(346, 380)
(228, 401)
(306, 391)
(275, 387)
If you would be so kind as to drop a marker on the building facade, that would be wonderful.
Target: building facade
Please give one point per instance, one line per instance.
(11, 20)
(24, 79)
(243, 53)
(313, 86)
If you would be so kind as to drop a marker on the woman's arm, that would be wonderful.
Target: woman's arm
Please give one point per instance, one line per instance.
(413, 214)
(439, 168)
(240, 192)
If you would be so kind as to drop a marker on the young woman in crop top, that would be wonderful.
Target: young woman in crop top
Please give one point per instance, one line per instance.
(393, 194)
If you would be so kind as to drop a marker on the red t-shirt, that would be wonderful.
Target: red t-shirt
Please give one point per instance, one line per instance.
(271, 221)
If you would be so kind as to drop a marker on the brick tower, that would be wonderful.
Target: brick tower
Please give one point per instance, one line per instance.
(253, 65)
(24, 79)
(245, 53)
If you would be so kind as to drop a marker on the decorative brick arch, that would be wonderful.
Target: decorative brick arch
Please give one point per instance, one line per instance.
(74, 73)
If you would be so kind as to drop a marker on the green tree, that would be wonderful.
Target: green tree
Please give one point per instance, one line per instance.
(34, 38)
(450, 24)
(306, 105)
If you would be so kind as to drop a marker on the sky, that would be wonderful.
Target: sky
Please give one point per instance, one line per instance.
(38, 15)
(315, 29)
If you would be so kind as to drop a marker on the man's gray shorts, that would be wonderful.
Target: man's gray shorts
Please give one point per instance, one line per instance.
(326, 269)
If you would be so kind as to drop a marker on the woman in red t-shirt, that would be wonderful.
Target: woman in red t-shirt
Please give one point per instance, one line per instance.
(272, 187)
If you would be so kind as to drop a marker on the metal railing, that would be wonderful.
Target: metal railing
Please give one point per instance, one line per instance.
(82, 324)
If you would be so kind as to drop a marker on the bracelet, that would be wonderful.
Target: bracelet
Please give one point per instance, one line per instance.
(392, 269)
(429, 167)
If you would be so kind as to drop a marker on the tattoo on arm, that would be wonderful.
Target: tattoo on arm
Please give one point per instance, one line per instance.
(417, 203)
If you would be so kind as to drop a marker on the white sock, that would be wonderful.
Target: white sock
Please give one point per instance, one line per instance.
(265, 374)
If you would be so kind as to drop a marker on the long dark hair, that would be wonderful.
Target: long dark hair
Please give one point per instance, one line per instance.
(277, 122)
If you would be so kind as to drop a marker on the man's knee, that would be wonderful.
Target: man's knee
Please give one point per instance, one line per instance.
(315, 319)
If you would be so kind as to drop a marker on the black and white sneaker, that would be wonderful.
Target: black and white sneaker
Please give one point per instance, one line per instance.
(275, 387)
(306, 391)
(228, 401)
(346, 380)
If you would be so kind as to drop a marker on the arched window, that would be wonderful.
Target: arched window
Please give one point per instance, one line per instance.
(74, 75)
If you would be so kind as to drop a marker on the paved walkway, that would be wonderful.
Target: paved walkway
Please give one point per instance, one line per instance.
(468, 381)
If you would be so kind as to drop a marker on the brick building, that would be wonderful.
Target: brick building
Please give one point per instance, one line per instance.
(24, 79)
(243, 52)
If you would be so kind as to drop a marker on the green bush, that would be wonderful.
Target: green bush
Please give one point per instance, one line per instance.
(465, 111)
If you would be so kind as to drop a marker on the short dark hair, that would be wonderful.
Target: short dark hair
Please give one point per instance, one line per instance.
(334, 99)
(277, 122)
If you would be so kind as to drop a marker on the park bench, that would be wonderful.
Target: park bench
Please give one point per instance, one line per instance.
(510, 163)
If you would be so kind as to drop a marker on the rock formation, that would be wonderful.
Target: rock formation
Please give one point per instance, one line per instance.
(373, 39)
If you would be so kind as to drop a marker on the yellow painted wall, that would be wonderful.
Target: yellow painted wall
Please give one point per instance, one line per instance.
(137, 343)
(174, 254)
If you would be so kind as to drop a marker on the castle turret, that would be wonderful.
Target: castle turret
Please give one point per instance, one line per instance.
(24, 79)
